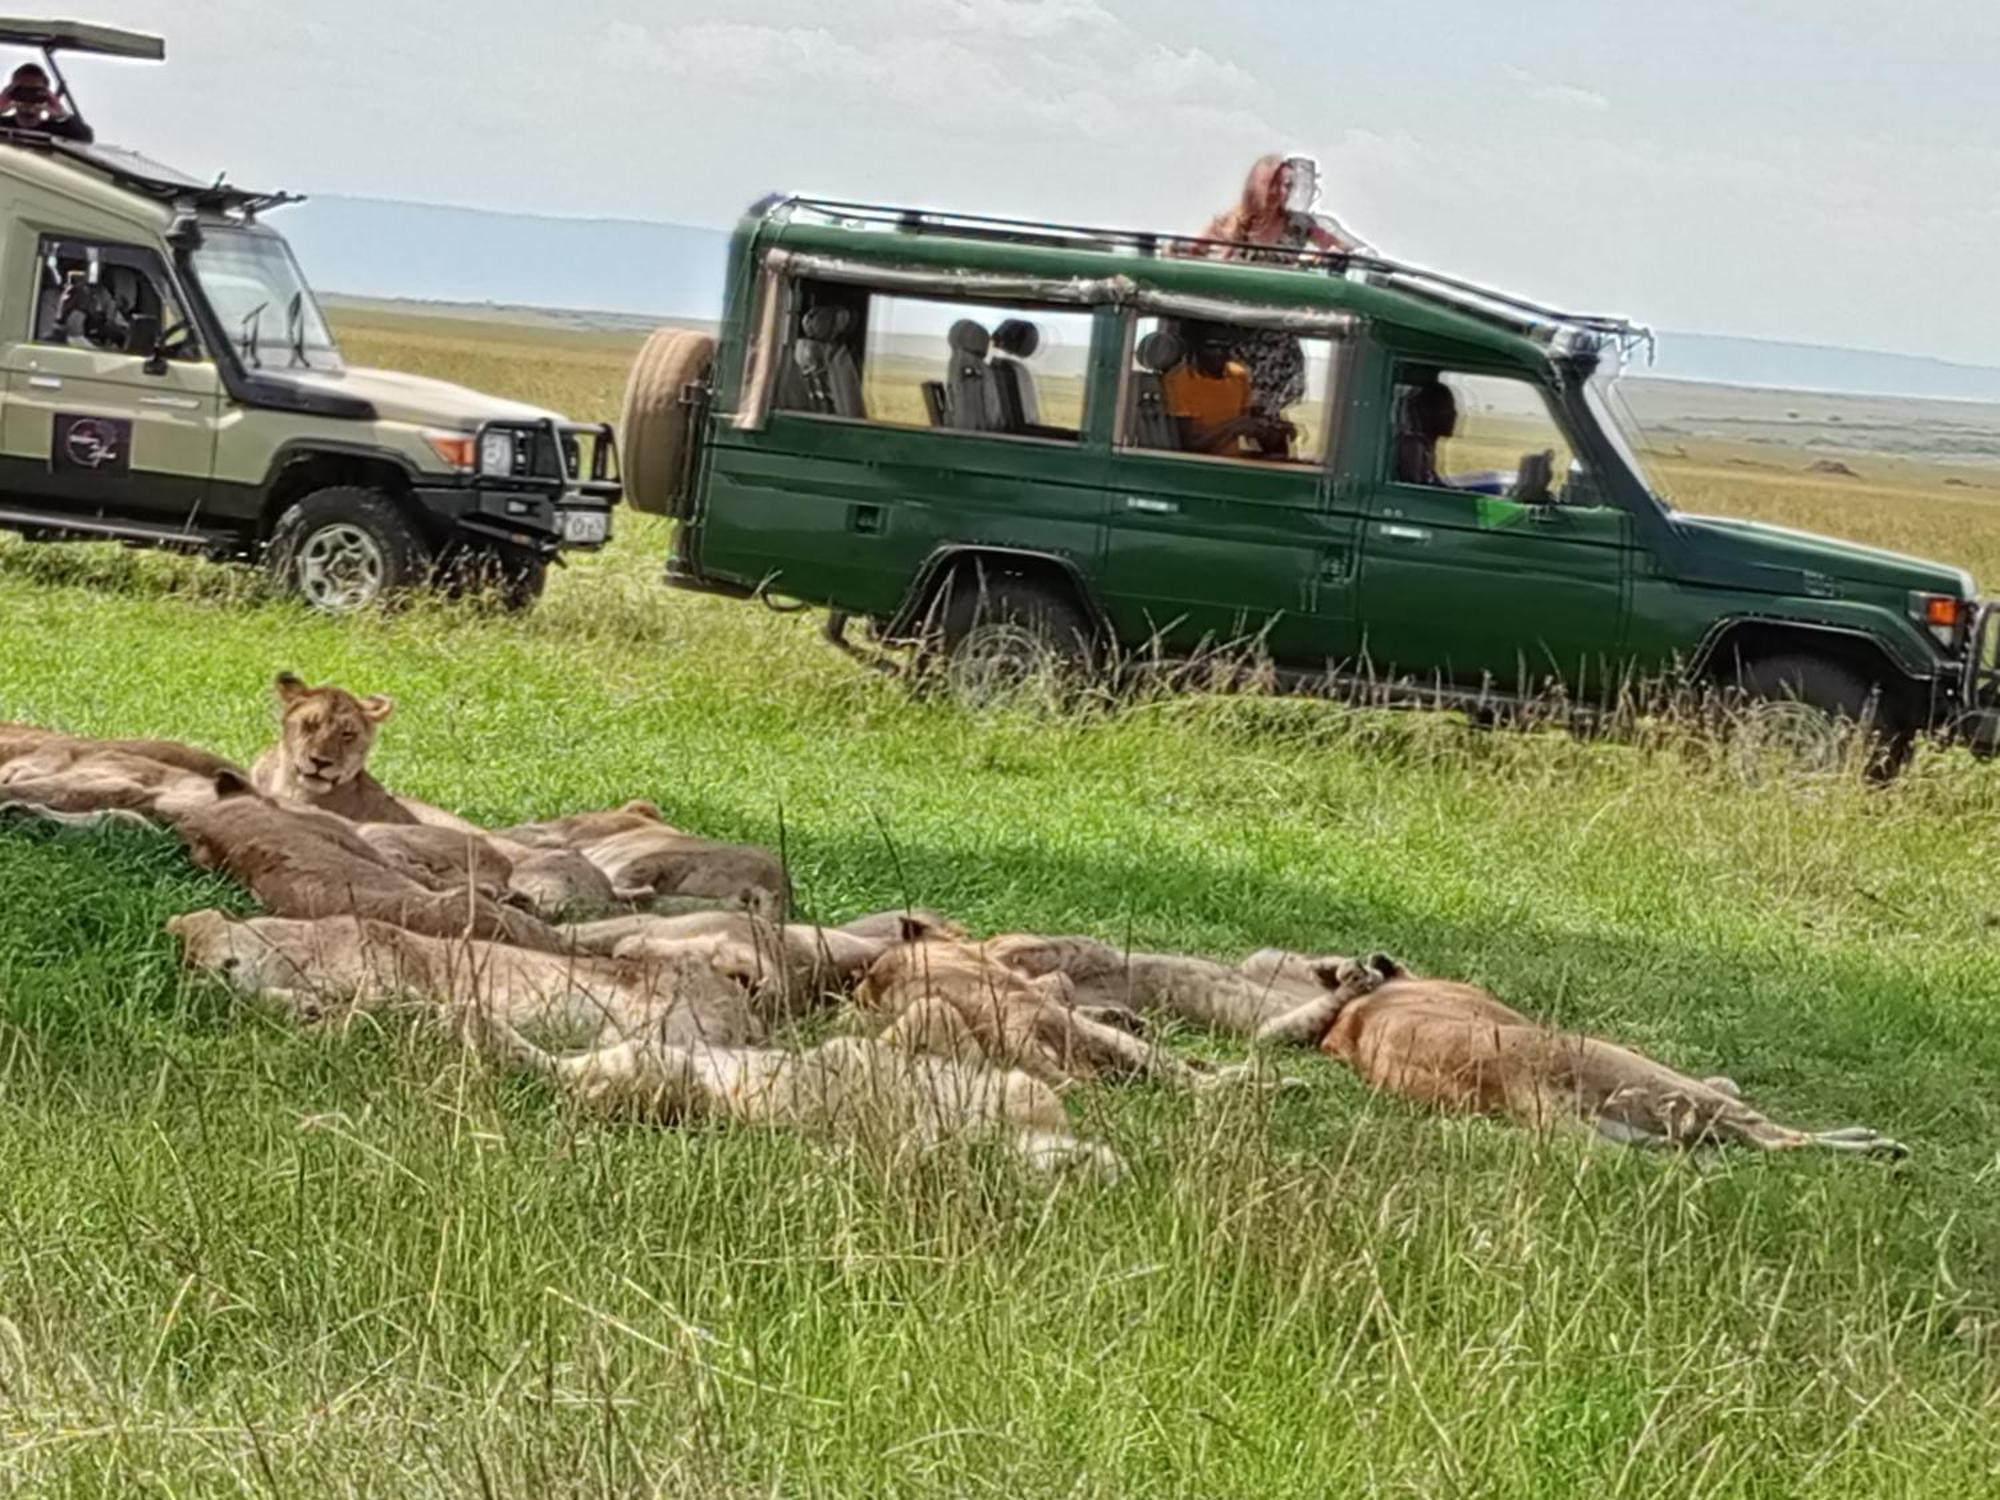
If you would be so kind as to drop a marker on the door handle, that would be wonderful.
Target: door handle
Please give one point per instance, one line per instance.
(1146, 505)
(46, 382)
(178, 403)
(1403, 533)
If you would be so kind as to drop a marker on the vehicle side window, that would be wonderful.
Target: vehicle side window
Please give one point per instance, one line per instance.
(91, 294)
(1221, 390)
(1479, 434)
(1010, 371)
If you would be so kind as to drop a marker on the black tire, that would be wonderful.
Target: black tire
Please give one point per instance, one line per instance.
(346, 548)
(1781, 690)
(509, 580)
(653, 422)
(1004, 640)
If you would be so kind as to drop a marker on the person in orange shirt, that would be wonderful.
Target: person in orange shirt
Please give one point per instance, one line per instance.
(1208, 394)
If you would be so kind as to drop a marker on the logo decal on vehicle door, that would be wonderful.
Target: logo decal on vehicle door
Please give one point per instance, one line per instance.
(92, 445)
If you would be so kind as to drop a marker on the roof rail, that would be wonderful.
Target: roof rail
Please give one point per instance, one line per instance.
(1462, 295)
(141, 174)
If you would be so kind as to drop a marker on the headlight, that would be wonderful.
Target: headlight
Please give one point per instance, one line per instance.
(496, 453)
(455, 448)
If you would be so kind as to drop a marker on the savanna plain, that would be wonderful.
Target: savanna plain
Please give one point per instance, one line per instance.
(238, 1258)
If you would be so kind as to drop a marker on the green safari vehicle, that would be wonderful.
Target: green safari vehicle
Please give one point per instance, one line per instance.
(1010, 443)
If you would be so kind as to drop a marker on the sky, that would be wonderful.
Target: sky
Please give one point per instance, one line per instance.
(1820, 170)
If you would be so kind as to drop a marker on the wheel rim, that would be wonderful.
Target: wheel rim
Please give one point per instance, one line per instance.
(1003, 664)
(1787, 735)
(340, 567)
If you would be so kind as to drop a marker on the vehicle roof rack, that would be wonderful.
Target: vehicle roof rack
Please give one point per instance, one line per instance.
(1460, 295)
(142, 174)
(81, 36)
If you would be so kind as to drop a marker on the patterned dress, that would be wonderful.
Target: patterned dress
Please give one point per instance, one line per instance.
(1275, 359)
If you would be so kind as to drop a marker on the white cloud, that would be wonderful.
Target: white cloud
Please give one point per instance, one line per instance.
(1571, 97)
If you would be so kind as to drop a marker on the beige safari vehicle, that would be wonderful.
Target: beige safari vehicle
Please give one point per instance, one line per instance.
(170, 381)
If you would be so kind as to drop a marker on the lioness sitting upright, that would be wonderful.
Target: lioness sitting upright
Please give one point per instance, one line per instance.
(321, 758)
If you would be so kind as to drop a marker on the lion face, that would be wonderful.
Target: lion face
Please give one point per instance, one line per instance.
(234, 952)
(328, 732)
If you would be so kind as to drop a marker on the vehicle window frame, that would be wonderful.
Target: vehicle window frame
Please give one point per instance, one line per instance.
(790, 320)
(1551, 403)
(1340, 366)
(150, 262)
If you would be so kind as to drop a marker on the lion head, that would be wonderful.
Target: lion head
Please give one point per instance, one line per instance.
(328, 732)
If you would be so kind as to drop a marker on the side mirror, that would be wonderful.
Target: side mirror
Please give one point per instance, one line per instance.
(1535, 476)
(142, 336)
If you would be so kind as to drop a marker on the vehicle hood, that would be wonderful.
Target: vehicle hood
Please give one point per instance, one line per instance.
(1786, 553)
(415, 399)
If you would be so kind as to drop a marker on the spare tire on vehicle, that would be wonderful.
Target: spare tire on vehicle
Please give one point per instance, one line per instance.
(653, 425)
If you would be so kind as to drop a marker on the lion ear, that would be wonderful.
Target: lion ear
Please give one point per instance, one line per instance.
(915, 927)
(377, 706)
(1331, 972)
(230, 782)
(643, 809)
(291, 687)
(1385, 967)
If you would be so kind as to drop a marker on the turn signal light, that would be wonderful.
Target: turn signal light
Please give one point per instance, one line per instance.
(455, 448)
(1941, 615)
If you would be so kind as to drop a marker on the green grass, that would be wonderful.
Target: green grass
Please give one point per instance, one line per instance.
(240, 1259)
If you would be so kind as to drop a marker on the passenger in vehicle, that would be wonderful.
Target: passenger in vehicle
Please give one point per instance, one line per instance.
(90, 313)
(1209, 396)
(28, 103)
(1014, 342)
(1275, 220)
(1427, 415)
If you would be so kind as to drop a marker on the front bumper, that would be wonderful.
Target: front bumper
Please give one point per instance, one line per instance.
(555, 496)
(1979, 692)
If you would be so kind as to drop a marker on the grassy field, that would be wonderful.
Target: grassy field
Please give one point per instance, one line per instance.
(238, 1259)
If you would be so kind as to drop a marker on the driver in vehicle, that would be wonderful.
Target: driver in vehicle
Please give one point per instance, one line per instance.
(1210, 398)
(1429, 416)
(28, 103)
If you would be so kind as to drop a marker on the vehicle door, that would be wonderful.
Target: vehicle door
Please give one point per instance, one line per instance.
(1487, 559)
(111, 407)
(1224, 529)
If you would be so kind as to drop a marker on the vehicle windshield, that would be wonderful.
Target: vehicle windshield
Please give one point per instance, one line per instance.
(264, 305)
(1606, 394)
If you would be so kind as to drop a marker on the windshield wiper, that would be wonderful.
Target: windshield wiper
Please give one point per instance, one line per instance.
(295, 328)
(247, 340)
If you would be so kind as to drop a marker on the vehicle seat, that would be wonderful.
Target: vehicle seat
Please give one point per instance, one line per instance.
(823, 376)
(968, 381)
(1153, 426)
(1014, 341)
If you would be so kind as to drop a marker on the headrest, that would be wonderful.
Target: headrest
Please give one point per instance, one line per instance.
(968, 337)
(827, 321)
(1160, 350)
(1018, 337)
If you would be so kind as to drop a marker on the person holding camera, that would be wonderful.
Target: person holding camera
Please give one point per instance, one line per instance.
(28, 103)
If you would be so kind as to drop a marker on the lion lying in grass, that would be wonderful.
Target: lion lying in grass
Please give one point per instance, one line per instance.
(76, 780)
(306, 864)
(646, 858)
(1455, 1047)
(1015, 1021)
(333, 966)
(850, 1087)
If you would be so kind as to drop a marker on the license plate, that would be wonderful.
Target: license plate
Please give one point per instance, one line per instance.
(584, 527)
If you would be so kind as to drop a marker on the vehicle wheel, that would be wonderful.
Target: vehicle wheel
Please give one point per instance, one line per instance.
(653, 423)
(1806, 714)
(511, 580)
(1009, 642)
(346, 548)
